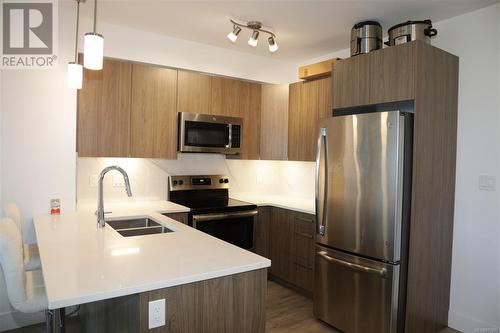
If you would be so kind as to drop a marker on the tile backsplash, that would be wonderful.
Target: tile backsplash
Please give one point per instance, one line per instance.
(148, 177)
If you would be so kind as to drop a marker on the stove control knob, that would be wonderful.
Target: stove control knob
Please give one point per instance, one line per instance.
(174, 183)
(226, 180)
(181, 182)
(221, 180)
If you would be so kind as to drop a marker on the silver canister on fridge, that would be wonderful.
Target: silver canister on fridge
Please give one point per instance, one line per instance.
(366, 36)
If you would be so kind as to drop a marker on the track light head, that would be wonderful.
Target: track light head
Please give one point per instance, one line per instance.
(254, 39)
(233, 35)
(273, 46)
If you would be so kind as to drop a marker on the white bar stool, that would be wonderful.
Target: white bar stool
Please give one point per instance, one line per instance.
(30, 251)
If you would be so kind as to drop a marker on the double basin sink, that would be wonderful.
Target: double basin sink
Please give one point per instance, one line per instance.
(137, 227)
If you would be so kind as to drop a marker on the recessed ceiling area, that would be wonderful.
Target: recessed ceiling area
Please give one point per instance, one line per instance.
(304, 29)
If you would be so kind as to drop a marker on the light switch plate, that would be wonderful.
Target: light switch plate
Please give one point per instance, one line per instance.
(118, 181)
(156, 313)
(487, 183)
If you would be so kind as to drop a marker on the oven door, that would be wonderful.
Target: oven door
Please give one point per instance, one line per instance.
(236, 228)
(209, 134)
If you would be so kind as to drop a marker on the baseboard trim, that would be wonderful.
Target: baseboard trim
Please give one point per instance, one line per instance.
(467, 324)
(12, 320)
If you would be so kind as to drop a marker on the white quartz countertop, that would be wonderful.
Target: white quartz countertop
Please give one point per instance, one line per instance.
(82, 263)
(303, 205)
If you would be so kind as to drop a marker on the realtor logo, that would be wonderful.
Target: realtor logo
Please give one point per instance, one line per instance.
(28, 34)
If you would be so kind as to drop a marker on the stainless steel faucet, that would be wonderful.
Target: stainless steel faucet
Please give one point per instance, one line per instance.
(100, 199)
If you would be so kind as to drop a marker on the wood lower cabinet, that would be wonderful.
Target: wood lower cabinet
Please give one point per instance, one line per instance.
(287, 238)
(153, 130)
(308, 102)
(303, 250)
(233, 303)
(104, 111)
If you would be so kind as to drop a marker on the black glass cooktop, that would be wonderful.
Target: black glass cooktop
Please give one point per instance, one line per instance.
(209, 201)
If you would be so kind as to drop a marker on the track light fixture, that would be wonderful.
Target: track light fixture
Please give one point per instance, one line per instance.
(256, 28)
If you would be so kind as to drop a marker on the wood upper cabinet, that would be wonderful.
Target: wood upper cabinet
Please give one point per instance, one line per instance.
(274, 122)
(252, 122)
(381, 76)
(227, 96)
(153, 130)
(104, 111)
(308, 102)
(194, 92)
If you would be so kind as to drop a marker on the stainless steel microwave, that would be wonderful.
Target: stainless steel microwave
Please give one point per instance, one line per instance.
(205, 133)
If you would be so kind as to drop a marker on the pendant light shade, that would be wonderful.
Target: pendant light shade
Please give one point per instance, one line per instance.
(93, 47)
(93, 50)
(75, 75)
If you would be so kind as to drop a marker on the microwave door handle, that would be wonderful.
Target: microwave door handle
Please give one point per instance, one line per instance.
(229, 136)
(320, 220)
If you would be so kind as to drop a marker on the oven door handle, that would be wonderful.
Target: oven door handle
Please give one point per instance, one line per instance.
(223, 216)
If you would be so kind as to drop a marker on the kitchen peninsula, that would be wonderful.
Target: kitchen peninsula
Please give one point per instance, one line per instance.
(208, 284)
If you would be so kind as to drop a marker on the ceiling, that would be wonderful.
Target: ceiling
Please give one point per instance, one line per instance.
(305, 29)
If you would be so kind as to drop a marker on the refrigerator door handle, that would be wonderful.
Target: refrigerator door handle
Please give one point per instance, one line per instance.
(320, 220)
(382, 272)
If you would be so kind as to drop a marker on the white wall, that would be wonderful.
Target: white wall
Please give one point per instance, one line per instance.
(475, 289)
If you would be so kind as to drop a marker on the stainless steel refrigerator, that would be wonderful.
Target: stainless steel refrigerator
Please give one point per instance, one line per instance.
(363, 189)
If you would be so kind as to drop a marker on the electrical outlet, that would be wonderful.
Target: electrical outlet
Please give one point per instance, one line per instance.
(93, 180)
(118, 181)
(157, 313)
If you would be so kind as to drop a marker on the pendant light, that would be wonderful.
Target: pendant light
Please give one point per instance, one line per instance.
(75, 70)
(93, 48)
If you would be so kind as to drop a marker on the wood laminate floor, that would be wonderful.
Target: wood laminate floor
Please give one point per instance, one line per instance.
(286, 310)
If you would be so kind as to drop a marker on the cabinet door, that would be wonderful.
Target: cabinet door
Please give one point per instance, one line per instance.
(380, 76)
(303, 250)
(227, 97)
(303, 120)
(295, 131)
(351, 82)
(281, 244)
(153, 113)
(262, 231)
(325, 97)
(274, 122)
(194, 92)
(251, 122)
(391, 74)
(104, 111)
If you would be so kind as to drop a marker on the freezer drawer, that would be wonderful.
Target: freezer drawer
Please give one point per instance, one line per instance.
(354, 294)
